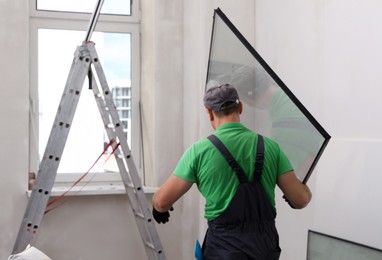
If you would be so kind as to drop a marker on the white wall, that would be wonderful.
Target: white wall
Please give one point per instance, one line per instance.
(328, 53)
(348, 188)
(14, 118)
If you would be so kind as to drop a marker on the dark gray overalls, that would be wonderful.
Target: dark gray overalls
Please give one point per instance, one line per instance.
(246, 229)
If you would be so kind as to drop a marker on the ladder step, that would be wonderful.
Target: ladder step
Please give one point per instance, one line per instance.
(141, 215)
(150, 245)
(130, 185)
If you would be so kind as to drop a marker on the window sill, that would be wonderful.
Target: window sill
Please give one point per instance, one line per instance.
(94, 189)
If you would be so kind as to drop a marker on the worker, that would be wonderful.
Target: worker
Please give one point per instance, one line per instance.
(240, 200)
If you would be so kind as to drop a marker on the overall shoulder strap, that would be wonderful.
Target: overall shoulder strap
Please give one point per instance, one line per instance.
(259, 158)
(233, 163)
(228, 156)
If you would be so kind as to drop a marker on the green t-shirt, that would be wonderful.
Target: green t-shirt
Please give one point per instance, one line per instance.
(204, 165)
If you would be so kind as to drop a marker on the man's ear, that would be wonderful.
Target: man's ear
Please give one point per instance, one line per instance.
(210, 114)
(240, 107)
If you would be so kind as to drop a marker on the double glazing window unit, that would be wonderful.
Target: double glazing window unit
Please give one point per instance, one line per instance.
(56, 29)
(271, 108)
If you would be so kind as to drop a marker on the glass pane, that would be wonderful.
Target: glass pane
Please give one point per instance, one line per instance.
(269, 107)
(87, 137)
(326, 247)
(118, 7)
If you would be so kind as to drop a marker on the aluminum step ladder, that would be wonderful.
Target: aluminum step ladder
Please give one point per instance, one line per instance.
(86, 64)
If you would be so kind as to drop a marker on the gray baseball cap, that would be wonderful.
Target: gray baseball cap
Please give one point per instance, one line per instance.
(222, 97)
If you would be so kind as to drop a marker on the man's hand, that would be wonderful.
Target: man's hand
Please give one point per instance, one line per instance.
(161, 217)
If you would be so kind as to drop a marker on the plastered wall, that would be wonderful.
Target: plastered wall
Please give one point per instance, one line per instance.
(14, 118)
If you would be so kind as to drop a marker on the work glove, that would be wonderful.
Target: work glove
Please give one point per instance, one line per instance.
(290, 204)
(161, 217)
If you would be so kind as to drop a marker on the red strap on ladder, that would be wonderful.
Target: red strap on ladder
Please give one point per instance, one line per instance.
(58, 198)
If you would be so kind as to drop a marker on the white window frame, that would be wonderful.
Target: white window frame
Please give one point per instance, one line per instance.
(101, 184)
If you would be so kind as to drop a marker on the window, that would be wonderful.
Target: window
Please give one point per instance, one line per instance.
(119, 7)
(272, 109)
(56, 29)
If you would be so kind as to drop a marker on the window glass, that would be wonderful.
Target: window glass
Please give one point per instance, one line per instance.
(270, 108)
(87, 136)
(324, 246)
(118, 7)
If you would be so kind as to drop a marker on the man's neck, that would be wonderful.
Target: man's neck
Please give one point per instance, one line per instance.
(219, 121)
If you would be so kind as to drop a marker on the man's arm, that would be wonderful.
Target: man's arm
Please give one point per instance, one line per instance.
(296, 193)
(174, 188)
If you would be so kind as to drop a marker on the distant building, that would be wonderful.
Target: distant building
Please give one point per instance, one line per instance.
(122, 100)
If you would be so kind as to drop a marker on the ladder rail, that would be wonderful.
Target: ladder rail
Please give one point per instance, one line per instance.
(109, 131)
(115, 118)
(49, 164)
(130, 177)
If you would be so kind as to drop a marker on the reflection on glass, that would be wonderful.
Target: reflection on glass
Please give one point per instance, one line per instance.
(324, 246)
(117, 7)
(269, 107)
(87, 135)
